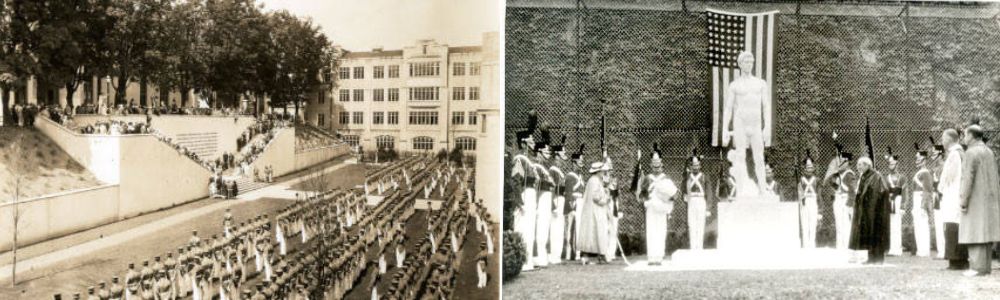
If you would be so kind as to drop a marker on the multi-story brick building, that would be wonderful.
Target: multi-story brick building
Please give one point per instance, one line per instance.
(425, 97)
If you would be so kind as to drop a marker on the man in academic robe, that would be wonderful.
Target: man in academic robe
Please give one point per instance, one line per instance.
(979, 225)
(895, 182)
(950, 209)
(921, 203)
(808, 203)
(595, 215)
(870, 225)
(657, 192)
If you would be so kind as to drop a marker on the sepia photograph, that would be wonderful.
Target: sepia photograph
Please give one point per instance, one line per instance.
(251, 149)
(751, 149)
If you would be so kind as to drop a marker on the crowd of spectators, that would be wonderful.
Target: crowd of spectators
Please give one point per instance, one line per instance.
(115, 127)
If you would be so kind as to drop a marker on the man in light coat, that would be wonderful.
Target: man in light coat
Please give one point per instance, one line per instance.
(595, 217)
(950, 212)
(979, 225)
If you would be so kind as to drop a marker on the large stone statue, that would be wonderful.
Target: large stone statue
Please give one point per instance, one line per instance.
(746, 122)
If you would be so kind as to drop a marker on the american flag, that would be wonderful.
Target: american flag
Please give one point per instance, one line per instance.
(728, 35)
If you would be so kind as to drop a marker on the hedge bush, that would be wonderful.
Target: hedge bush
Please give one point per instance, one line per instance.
(513, 254)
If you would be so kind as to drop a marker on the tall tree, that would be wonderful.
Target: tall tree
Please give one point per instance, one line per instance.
(303, 55)
(230, 42)
(7, 76)
(60, 37)
(131, 40)
(182, 49)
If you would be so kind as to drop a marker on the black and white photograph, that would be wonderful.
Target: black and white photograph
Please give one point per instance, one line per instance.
(751, 149)
(251, 149)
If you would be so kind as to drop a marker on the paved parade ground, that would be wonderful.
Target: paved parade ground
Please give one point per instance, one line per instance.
(144, 237)
(72, 263)
(905, 277)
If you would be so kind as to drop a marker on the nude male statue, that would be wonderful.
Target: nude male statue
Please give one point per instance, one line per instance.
(747, 101)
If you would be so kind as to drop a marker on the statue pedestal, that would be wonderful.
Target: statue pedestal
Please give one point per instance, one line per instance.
(758, 234)
(749, 223)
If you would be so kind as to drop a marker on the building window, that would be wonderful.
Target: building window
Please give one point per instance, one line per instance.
(359, 72)
(378, 95)
(352, 140)
(474, 93)
(393, 95)
(423, 118)
(359, 117)
(465, 143)
(393, 118)
(378, 118)
(423, 94)
(457, 118)
(345, 73)
(345, 118)
(458, 93)
(473, 118)
(321, 120)
(345, 95)
(385, 142)
(327, 76)
(359, 95)
(474, 69)
(322, 97)
(424, 69)
(378, 72)
(394, 71)
(458, 69)
(423, 143)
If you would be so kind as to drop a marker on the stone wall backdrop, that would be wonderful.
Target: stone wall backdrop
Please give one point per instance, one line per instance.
(646, 73)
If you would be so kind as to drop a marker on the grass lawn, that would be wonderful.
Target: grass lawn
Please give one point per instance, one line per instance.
(905, 277)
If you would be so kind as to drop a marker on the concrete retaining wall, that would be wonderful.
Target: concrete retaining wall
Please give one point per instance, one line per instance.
(58, 214)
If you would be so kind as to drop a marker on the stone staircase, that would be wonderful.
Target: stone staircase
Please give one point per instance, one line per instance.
(247, 184)
(205, 144)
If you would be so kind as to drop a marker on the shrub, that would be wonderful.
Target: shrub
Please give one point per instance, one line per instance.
(632, 243)
(442, 155)
(455, 156)
(513, 254)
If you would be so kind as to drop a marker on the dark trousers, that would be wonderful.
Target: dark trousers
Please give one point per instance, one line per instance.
(956, 254)
(876, 256)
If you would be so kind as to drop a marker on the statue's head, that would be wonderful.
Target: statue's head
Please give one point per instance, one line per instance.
(745, 61)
